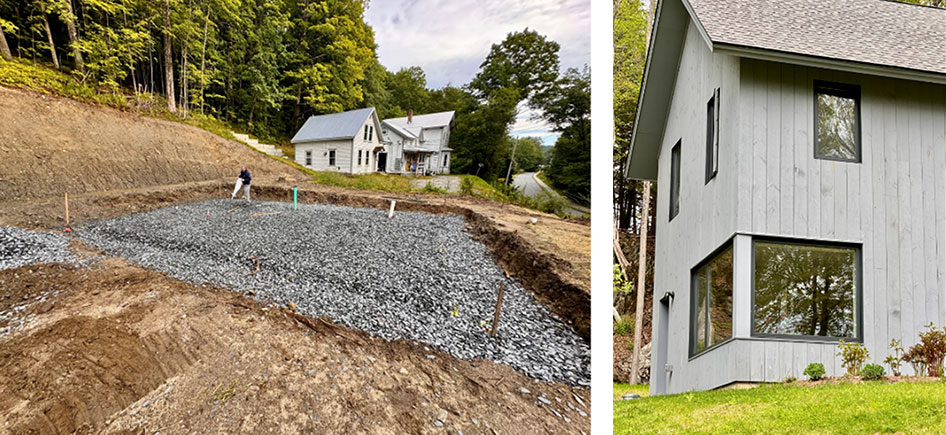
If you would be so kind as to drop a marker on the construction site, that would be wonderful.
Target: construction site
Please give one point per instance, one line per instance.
(152, 302)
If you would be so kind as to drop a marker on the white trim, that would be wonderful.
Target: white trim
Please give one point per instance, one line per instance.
(699, 25)
(834, 64)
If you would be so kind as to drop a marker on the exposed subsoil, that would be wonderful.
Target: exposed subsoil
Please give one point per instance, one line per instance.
(122, 349)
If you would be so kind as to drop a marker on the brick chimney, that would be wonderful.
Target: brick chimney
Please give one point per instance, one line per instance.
(410, 116)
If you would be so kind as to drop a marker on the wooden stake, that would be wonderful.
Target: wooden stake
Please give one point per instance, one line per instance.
(391, 211)
(67, 209)
(499, 307)
(641, 287)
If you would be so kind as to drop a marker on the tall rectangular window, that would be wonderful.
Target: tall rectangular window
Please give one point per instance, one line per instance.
(712, 136)
(308, 158)
(837, 121)
(359, 157)
(445, 156)
(331, 157)
(806, 289)
(371, 133)
(711, 301)
(675, 181)
(366, 132)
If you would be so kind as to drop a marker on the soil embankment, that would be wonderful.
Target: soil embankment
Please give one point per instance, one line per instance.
(51, 145)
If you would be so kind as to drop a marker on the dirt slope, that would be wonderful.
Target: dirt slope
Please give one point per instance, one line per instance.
(51, 145)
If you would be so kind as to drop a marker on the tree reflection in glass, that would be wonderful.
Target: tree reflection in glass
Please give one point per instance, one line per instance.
(712, 298)
(837, 124)
(805, 290)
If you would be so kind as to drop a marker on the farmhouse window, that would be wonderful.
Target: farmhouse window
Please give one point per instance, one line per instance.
(837, 121)
(370, 133)
(308, 158)
(366, 132)
(675, 181)
(331, 157)
(445, 157)
(711, 301)
(359, 157)
(806, 289)
(712, 136)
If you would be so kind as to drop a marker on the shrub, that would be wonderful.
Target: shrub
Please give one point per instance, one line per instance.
(933, 348)
(894, 360)
(624, 327)
(790, 380)
(430, 188)
(853, 356)
(872, 372)
(814, 371)
(914, 356)
(466, 186)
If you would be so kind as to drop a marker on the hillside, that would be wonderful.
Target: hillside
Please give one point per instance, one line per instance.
(51, 145)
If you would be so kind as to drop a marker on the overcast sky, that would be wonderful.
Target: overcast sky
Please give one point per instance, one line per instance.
(450, 38)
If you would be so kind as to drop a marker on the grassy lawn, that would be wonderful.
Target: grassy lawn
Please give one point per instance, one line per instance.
(871, 407)
(621, 389)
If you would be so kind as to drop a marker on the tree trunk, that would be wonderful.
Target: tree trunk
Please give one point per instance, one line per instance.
(203, 53)
(641, 287)
(4, 48)
(73, 36)
(295, 115)
(168, 59)
(52, 46)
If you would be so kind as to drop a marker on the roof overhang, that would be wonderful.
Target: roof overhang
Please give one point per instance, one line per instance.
(328, 139)
(660, 75)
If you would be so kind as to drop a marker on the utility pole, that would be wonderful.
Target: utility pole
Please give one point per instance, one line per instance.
(511, 160)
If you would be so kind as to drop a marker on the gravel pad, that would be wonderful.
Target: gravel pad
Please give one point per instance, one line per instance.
(416, 276)
(19, 247)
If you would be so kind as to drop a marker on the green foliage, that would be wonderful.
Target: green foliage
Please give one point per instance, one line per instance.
(619, 284)
(570, 168)
(853, 355)
(872, 372)
(624, 327)
(894, 360)
(790, 380)
(466, 186)
(430, 188)
(814, 371)
(480, 137)
(529, 155)
(849, 408)
(525, 61)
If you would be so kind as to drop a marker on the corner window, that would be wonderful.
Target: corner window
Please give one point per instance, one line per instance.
(331, 157)
(308, 158)
(711, 301)
(837, 121)
(675, 181)
(806, 289)
(712, 136)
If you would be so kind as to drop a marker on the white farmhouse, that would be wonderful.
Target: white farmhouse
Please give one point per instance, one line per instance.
(343, 142)
(418, 144)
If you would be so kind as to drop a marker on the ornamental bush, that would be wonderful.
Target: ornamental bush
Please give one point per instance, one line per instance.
(814, 371)
(872, 372)
(853, 356)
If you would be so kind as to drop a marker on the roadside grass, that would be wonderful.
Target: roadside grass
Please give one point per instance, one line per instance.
(619, 389)
(869, 407)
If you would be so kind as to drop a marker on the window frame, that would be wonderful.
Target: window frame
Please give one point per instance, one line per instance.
(842, 90)
(359, 157)
(858, 290)
(445, 157)
(371, 134)
(331, 157)
(728, 244)
(308, 157)
(712, 136)
(676, 160)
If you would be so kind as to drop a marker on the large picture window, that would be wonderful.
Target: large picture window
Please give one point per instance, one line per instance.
(837, 121)
(806, 290)
(711, 301)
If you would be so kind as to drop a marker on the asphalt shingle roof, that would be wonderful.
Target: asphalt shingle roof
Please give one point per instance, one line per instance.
(879, 32)
(334, 126)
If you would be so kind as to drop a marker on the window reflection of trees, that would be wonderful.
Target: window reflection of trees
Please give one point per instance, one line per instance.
(805, 290)
(713, 288)
(837, 127)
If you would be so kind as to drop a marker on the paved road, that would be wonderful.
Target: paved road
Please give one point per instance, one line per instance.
(530, 185)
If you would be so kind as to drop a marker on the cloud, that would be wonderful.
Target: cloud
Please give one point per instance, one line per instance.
(450, 38)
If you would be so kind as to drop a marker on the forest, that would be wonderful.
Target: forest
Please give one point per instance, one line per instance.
(264, 66)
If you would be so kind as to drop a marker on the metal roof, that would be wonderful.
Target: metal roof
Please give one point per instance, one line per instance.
(334, 126)
(420, 122)
(878, 32)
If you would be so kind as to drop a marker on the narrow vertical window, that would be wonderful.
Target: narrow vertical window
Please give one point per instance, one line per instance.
(331, 157)
(837, 121)
(359, 157)
(370, 134)
(445, 156)
(712, 136)
(366, 132)
(675, 181)
(308, 158)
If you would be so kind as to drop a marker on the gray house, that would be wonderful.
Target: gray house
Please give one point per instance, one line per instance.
(799, 148)
(346, 142)
(419, 143)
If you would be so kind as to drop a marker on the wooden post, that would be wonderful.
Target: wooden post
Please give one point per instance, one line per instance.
(641, 288)
(67, 209)
(499, 307)
(391, 211)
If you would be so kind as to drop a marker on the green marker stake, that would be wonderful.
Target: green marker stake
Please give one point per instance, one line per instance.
(295, 196)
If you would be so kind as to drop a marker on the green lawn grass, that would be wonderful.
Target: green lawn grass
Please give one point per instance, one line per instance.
(621, 389)
(872, 407)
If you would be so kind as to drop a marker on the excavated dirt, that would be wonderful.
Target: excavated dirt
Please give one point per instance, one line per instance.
(123, 349)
